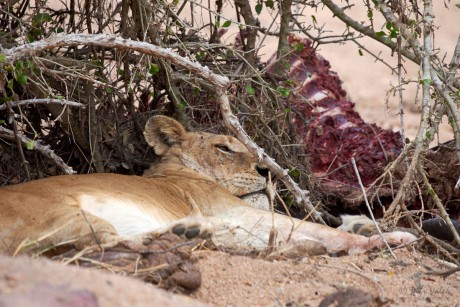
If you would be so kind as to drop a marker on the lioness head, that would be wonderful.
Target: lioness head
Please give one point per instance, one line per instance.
(222, 158)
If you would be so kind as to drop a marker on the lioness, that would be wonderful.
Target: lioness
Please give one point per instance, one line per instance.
(194, 190)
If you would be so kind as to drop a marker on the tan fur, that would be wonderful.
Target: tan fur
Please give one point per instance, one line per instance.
(197, 185)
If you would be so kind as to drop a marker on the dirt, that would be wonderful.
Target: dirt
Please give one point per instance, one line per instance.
(41, 282)
(242, 281)
(374, 279)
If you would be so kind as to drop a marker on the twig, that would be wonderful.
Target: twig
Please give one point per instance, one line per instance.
(421, 140)
(366, 30)
(44, 150)
(400, 92)
(24, 163)
(443, 274)
(281, 67)
(27, 102)
(369, 207)
(443, 213)
(382, 295)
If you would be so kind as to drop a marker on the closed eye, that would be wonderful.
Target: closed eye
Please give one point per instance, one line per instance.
(224, 149)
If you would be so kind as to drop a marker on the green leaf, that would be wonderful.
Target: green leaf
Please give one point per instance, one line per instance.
(287, 110)
(427, 81)
(283, 91)
(227, 24)
(200, 54)
(258, 8)
(30, 145)
(380, 34)
(313, 18)
(300, 47)
(2, 58)
(370, 14)
(294, 173)
(217, 24)
(182, 104)
(250, 90)
(22, 79)
(59, 97)
(154, 69)
(19, 65)
(10, 84)
(269, 4)
(40, 18)
(394, 34)
(389, 25)
(428, 135)
(360, 51)
(60, 30)
(109, 90)
(458, 5)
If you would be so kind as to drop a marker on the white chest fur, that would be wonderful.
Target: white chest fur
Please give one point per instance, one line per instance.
(124, 215)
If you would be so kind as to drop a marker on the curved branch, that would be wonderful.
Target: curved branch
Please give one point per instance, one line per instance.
(366, 30)
(111, 41)
(232, 123)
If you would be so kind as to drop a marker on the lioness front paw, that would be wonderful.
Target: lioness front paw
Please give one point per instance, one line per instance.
(191, 228)
(393, 238)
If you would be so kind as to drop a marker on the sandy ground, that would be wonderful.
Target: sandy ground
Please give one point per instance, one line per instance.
(242, 281)
(371, 280)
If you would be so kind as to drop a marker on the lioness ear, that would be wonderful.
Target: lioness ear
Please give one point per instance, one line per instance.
(162, 132)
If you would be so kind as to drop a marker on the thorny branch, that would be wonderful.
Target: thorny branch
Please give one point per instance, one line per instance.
(44, 150)
(27, 102)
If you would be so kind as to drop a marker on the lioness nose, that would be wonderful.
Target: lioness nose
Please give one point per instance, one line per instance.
(262, 170)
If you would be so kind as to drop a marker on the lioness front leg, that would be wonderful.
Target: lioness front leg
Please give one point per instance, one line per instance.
(248, 226)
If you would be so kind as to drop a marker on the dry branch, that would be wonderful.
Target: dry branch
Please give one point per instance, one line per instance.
(27, 102)
(112, 42)
(44, 150)
(232, 122)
